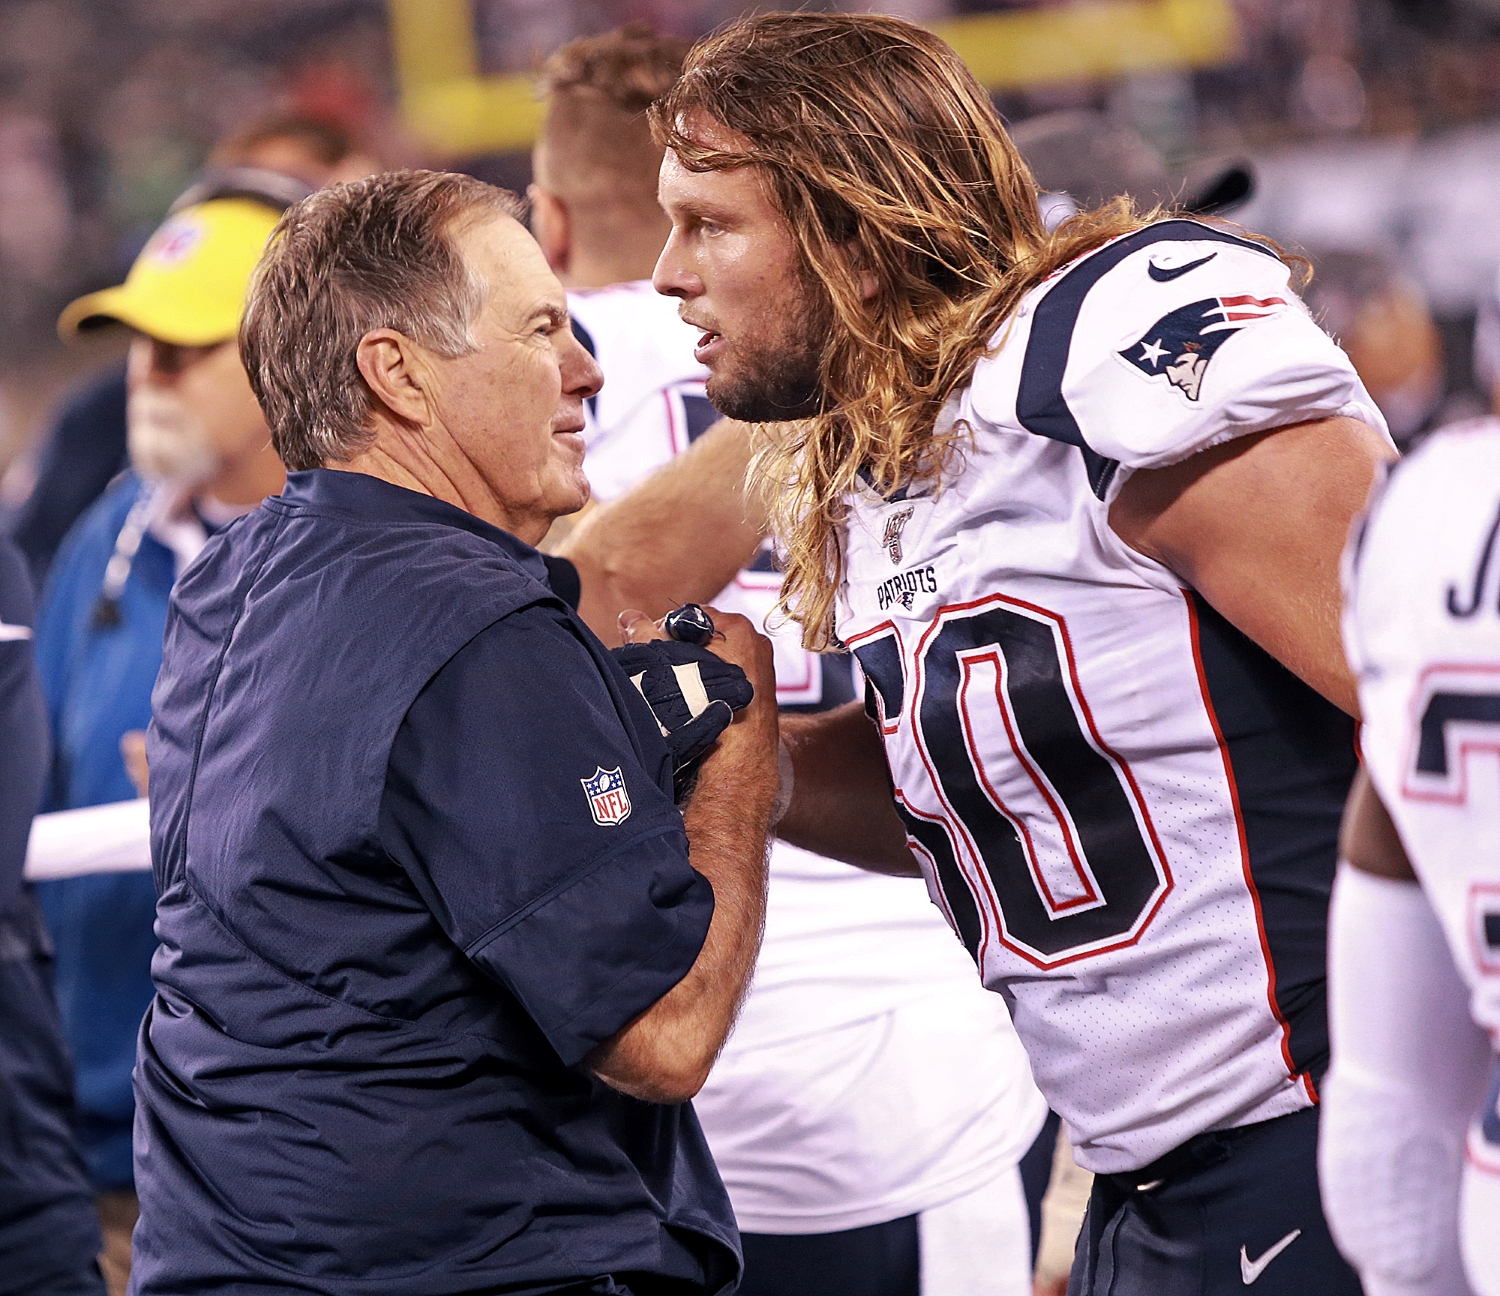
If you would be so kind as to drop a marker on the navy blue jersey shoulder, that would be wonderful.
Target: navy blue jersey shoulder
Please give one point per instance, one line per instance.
(1040, 404)
(393, 922)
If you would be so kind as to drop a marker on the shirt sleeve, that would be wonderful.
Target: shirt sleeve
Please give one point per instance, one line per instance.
(520, 801)
(1186, 344)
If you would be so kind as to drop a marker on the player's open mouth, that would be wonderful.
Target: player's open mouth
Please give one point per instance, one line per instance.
(708, 345)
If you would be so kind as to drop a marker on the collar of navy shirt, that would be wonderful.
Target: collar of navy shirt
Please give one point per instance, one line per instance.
(355, 494)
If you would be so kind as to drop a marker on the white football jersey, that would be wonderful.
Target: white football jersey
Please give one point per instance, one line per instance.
(1127, 810)
(868, 1077)
(1422, 626)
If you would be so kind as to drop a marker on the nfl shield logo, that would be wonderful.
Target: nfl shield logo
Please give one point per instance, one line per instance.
(609, 802)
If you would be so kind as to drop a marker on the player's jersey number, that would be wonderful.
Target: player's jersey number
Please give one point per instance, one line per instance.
(1045, 835)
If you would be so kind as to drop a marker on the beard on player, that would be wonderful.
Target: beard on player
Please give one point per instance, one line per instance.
(776, 376)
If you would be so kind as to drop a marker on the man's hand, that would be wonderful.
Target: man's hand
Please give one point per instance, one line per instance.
(133, 750)
(1257, 526)
(665, 1054)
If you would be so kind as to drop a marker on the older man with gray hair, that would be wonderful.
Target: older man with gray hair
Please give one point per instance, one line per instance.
(441, 959)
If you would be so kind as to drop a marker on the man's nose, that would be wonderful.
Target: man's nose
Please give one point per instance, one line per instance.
(581, 374)
(163, 362)
(672, 276)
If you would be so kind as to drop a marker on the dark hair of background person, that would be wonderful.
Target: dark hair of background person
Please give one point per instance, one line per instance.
(290, 143)
(375, 253)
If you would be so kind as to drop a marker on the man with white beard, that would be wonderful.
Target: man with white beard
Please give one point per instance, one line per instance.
(200, 456)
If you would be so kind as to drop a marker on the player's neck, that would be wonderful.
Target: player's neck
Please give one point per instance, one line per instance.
(601, 257)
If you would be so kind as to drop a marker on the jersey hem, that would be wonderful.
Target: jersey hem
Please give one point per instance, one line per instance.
(897, 1206)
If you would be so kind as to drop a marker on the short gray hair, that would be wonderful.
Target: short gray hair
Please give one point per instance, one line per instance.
(377, 253)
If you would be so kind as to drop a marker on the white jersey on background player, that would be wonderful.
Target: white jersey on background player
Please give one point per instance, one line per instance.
(1422, 627)
(868, 1078)
(1127, 809)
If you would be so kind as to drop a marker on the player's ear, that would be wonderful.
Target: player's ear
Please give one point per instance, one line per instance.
(551, 228)
(396, 373)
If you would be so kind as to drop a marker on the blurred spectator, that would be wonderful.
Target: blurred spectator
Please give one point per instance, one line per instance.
(77, 458)
(85, 448)
(1082, 159)
(200, 456)
(1381, 318)
(49, 1234)
(1487, 345)
(308, 149)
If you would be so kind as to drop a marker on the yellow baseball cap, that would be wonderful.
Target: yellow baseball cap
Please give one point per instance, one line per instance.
(188, 285)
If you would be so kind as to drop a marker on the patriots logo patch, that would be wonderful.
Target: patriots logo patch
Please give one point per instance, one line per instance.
(894, 526)
(609, 802)
(1179, 346)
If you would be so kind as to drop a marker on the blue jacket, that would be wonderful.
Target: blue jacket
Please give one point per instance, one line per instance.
(418, 855)
(97, 680)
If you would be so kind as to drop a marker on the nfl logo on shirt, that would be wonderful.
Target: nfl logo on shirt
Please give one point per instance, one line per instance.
(609, 802)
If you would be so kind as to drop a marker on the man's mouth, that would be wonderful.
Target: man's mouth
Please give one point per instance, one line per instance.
(708, 346)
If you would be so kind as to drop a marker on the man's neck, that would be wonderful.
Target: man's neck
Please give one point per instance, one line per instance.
(610, 251)
(605, 271)
(425, 475)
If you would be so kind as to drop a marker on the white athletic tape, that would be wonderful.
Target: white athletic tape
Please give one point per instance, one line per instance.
(640, 687)
(113, 838)
(690, 681)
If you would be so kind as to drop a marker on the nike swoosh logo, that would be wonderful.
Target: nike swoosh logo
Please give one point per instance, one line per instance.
(1163, 274)
(10, 632)
(1250, 1269)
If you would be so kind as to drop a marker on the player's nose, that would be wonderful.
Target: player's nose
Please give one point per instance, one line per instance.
(672, 276)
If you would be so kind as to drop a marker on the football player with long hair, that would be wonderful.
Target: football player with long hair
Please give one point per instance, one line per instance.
(1075, 500)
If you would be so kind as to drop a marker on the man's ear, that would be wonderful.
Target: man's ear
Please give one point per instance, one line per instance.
(396, 372)
(551, 228)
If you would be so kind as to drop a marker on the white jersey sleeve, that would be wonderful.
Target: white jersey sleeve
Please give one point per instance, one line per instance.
(1422, 627)
(1167, 342)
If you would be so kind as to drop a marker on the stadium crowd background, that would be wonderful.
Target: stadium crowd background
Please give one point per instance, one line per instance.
(1372, 128)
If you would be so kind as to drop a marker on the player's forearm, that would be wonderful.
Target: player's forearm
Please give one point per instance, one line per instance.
(841, 800)
(665, 1054)
(680, 536)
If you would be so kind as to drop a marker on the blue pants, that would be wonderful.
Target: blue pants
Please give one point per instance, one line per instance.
(1226, 1211)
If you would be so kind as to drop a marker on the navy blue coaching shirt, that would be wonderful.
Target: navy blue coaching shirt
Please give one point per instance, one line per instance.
(395, 916)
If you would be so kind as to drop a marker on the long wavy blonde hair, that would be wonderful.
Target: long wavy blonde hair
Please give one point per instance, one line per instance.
(883, 154)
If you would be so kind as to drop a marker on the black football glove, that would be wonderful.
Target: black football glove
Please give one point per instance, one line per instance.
(692, 693)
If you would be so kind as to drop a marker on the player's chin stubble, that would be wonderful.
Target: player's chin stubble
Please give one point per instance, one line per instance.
(779, 377)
